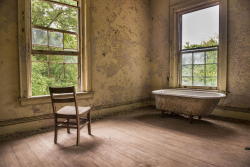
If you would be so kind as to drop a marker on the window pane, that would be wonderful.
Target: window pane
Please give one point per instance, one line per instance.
(40, 58)
(199, 58)
(52, 15)
(200, 28)
(56, 59)
(70, 42)
(186, 81)
(71, 59)
(56, 71)
(211, 56)
(39, 78)
(211, 81)
(199, 70)
(199, 81)
(187, 70)
(56, 39)
(211, 70)
(71, 74)
(53, 72)
(39, 37)
(187, 58)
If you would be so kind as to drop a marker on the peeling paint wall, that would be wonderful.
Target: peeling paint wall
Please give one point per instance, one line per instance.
(120, 39)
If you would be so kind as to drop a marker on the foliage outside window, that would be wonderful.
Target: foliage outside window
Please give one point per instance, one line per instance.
(55, 54)
(199, 48)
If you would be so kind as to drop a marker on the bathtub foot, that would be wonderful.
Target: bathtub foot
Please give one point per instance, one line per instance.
(190, 119)
(162, 113)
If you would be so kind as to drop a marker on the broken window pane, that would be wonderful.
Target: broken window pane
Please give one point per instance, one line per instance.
(53, 15)
(39, 37)
(56, 39)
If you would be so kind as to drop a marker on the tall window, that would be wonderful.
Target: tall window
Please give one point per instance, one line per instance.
(55, 51)
(199, 42)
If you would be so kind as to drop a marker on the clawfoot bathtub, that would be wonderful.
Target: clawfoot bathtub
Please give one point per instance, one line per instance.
(187, 102)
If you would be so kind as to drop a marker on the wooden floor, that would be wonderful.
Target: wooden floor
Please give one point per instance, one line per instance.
(139, 139)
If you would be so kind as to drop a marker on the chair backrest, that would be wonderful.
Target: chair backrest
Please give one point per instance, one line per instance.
(63, 95)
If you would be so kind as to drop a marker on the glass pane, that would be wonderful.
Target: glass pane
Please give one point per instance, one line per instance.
(211, 81)
(211, 70)
(52, 15)
(187, 58)
(187, 70)
(67, 20)
(71, 74)
(71, 59)
(199, 70)
(56, 71)
(69, 2)
(186, 81)
(70, 42)
(40, 58)
(199, 58)
(200, 28)
(57, 59)
(39, 78)
(199, 81)
(211, 56)
(39, 37)
(56, 39)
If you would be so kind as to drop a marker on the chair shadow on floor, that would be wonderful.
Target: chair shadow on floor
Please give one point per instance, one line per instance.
(86, 144)
(201, 128)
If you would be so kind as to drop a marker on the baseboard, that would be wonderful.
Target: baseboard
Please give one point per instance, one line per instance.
(20, 125)
(232, 112)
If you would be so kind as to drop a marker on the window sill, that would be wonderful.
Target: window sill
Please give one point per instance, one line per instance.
(46, 98)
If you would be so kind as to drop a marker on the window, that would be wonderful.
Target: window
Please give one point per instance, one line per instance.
(53, 46)
(199, 47)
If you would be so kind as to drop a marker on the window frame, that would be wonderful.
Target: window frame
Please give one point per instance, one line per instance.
(25, 48)
(176, 11)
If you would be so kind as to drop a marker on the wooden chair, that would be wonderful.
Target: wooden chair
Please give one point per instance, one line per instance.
(75, 113)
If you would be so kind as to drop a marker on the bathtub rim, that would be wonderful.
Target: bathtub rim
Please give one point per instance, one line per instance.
(221, 95)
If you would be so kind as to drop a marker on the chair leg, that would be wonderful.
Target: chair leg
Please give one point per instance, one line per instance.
(89, 123)
(55, 137)
(78, 132)
(68, 129)
(190, 119)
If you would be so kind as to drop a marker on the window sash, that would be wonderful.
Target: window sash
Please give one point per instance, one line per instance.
(192, 51)
(62, 52)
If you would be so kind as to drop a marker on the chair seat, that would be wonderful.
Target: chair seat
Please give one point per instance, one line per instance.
(71, 110)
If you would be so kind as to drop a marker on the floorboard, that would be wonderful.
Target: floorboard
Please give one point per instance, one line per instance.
(139, 138)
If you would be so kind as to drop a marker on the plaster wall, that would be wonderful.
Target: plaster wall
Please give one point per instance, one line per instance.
(120, 44)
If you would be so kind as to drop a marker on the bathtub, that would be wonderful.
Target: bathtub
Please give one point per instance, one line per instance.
(187, 102)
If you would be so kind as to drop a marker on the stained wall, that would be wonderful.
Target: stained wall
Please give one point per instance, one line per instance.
(130, 56)
(120, 53)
